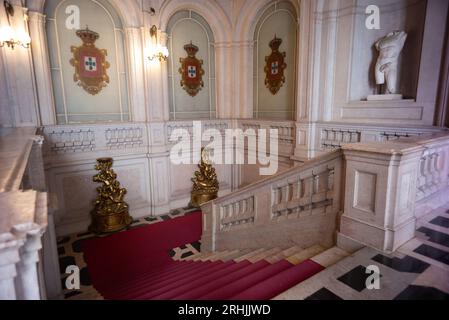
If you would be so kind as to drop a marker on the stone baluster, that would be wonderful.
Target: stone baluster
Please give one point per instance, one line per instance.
(9, 256)
(27, 282)
(436, 169)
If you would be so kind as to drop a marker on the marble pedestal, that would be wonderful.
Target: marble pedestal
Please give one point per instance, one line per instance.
(384, 97)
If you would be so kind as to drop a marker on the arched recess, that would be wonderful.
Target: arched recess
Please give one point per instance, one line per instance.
(129, 10)
(183, 28)
(72, 103)
(277, 20)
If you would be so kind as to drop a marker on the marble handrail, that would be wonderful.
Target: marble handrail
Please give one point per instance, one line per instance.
(15, 147)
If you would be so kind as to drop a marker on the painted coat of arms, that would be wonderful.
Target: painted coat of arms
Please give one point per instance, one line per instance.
(90, 63)
(274, 67)
(191, 71)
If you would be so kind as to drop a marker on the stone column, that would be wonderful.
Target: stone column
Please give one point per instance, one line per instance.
(9, 256)
(136, 69)
(19, 72)
(27, 281)
(42, 71)
(380, 192)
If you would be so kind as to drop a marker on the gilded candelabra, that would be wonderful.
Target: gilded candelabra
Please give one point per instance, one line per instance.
(205, 182)
(110, 213)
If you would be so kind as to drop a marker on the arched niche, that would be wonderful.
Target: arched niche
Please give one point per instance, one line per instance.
(72, 103)
(185, 27)
(277, 20)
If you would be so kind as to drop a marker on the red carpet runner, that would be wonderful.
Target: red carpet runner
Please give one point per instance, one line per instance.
(135, 265)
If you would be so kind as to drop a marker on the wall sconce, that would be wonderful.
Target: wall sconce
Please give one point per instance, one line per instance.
(157, 51)
(7, 34)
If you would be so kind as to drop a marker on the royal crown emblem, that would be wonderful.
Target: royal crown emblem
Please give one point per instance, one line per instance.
(274, 67)
(191, 71)
(89, 62)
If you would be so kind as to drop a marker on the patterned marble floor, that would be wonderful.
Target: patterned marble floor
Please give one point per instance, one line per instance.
(418, 270)
(70, 253)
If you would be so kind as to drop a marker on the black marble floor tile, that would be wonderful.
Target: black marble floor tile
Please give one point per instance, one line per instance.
(61, 251)
(323, 294)
(175, 212)
(414, 292)
(71, 294)
(64, 262)
(434, 253)
(84, 277)
(440, 221)
(406, 264)
(165, 217)
(196, 245)
(356, 278)
(186, 254)
(150, 219)
(76, 246)
(63, 240)
(435, 236)
(171, 253)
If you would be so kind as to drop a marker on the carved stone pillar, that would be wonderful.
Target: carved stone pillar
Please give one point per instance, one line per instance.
(380, 195)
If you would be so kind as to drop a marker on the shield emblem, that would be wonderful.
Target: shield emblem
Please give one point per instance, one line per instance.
(90, 63)
(191, 71)
(274, 67)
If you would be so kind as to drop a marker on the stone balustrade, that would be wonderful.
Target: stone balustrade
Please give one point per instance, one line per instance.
(299, 205)
(331, 136)
(24, 214)
(386, 185)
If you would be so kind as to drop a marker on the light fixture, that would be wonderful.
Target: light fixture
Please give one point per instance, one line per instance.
(7, 34)
(157, 51)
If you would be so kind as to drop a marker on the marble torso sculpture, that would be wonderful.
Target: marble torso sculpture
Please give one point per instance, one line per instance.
(389, 48)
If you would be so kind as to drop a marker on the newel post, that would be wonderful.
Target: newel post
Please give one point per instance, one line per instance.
(208, 236)
(380, 193)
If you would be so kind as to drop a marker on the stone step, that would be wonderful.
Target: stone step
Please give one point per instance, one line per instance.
(305, 254)
(238, 253)
(284, 254)
(249, 254)
(330, 256)
(205, 255)
(213, 255)
(223, 255)
(264, 254)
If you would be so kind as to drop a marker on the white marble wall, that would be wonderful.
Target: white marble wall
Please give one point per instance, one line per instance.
(327, 111)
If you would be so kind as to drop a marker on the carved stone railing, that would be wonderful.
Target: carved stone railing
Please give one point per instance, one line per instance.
(387, 184)
(298, 206)
(23, 214)
(433, 174)
(332, 136)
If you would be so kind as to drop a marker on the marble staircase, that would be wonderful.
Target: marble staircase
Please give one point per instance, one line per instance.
(294, 254)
